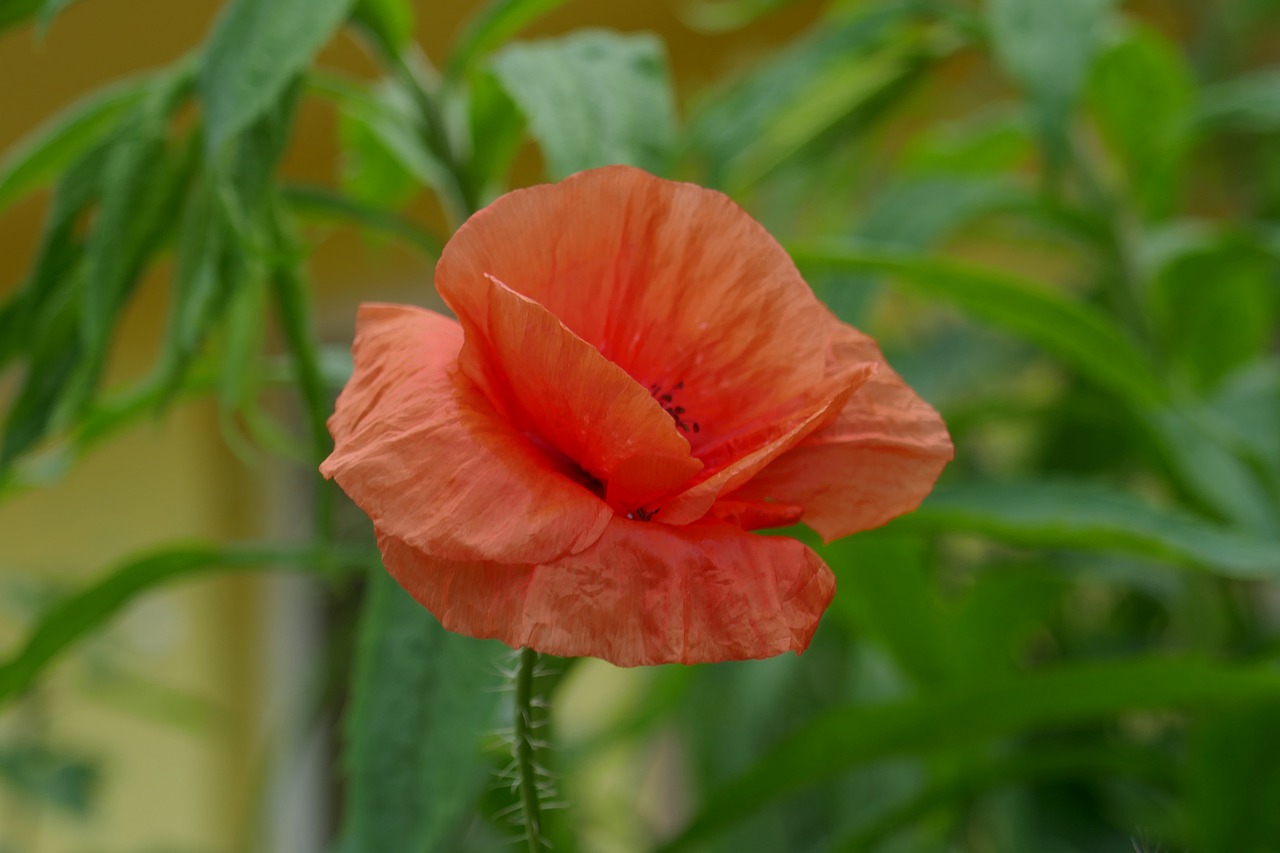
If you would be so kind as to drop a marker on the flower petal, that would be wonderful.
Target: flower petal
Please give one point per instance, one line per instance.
(642, 594)
(877, 460)
(431, 463)
(757, 449)
(558, 386)
(674, 283)
(756, 515)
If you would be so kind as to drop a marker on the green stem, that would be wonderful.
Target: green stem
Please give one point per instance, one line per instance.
(525, 751)
(460, 198)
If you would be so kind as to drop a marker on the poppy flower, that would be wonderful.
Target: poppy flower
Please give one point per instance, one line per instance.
(638, 377)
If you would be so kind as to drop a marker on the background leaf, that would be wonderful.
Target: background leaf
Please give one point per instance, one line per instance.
(390, 21)
(1047, 48)
(1078, 515)
(593, 98)
(66, 781)
(817, 70)
(55, 145)
(256, 50)
(492, 26)
(1085, 338)
(77, 615)
(424, 700)
(1250, 102)
(1142, 94)
(938, 719)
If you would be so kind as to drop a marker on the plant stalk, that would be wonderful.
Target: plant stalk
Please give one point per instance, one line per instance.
(524, 752)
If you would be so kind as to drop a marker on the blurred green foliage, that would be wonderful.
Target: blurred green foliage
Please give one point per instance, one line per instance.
(1063, 223)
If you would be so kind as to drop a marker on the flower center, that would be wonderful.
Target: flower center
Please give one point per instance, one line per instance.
(667, 399)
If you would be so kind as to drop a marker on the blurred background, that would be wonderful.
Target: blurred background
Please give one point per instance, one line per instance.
(1061, 220)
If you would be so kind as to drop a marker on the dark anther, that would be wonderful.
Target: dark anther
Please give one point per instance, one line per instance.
(684, 426)
(646, 514)
(696, 428)
(666, 398)
(679, 385)
(678, 410)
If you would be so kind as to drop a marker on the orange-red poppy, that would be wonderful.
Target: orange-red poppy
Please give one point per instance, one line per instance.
(638, 377)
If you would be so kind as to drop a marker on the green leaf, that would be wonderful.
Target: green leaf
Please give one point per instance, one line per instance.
(885, 593)
(1048, 48)
(1095, 518)
(53, 363)
(78, 615)
(1195, 296)
(725, 129)
(974, 778)
(959, 716)
(55, 145)
(497, 129)
(318, 204)
(593, 98)
(370, 173)
(49, 10)
(1141, 93)
(206, 273)
(293, 309)
(492, 27)
(424, 702)
(993, 142)
(1250, 103)
(390, 21)
(14, 12)
(60, 248)
(847, 88)
(919, 213)
(1080, 335)
(246, 177)
(1246, 404)
(1215, 463)
(243, 333)
(717, 16)
(105, 419)
(387, 123)
(1233, 776)
(142, 187)
(42, 320)
(988, 627)
(51, 777)
(257, 48)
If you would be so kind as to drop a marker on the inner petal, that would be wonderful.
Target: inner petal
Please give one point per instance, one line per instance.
(560, 388)
(675, 284)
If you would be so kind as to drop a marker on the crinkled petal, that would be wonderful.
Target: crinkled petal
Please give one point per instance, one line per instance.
(877, 460)
(756, 515)
(642, 594)
(674, 283)
(757, 450)
(431, 463)
(558, 386)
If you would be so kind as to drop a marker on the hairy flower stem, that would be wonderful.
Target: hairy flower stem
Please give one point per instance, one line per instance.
(524, 752)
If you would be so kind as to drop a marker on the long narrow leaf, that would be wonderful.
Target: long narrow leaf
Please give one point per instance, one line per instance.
(959, 716)
(1080, 335)
(424, 702)
(1096, 518)
(76, 616)
(322, 205)
(257, 48)
(55, 145)
(492, 26)
(593, 98)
